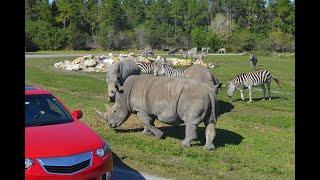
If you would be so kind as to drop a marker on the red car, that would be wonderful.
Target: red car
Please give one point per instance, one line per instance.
(58, 145)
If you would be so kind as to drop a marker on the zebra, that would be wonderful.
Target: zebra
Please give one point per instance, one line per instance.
(147, 52)
(173, 51)
(165, 69)
(222, 51)
(251, 79)
(146, 67)
(205, 49)
(253, 60)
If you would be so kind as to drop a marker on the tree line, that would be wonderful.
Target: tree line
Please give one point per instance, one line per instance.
(237, 25)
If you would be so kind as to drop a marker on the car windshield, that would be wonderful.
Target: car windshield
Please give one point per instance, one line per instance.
(44, 109)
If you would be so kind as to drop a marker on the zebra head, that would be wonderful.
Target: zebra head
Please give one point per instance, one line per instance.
(159, 70)
(252, 57)
(231, 88)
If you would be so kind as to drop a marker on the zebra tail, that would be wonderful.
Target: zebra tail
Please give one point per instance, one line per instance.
(277, 81)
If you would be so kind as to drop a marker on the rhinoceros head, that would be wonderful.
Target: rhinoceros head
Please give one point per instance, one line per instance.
(112, 79)
(119, 112)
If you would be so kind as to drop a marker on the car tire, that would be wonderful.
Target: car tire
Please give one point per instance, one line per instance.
(104, 176)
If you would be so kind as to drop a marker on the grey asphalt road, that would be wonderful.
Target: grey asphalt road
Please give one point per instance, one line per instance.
(121, 171)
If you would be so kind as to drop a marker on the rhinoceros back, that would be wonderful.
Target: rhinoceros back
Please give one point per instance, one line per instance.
(160, 96)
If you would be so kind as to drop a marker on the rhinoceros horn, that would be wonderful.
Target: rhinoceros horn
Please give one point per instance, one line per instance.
(102, 115)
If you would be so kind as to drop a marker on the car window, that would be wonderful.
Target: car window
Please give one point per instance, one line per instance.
(53, 106)
(44, 109)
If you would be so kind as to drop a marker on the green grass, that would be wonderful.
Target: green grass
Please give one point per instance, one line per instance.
(92, 52)
(254, 141)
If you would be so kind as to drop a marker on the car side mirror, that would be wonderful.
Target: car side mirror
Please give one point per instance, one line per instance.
(77, 113)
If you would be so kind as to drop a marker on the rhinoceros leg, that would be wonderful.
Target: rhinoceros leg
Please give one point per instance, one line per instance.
(146, 131)
(149, 124)
(210, 134)
(191, 134)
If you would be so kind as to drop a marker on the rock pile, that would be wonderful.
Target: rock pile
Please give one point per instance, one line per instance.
(93, 63)
(87, 63)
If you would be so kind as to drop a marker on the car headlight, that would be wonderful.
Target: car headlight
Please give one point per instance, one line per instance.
(103, 150)
(27, 163)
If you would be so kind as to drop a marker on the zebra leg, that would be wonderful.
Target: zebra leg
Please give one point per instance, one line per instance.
(241, 93)
(250, 93)
(191, 134)
(268, 86)
(264, 92)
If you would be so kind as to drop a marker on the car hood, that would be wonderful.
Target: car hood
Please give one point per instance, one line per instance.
(60, 140)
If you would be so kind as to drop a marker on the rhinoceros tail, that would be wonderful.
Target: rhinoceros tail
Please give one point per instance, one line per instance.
(214, 107)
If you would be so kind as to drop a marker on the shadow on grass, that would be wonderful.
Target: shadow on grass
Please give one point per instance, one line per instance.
(261, 99)
(223, 136)
(121, 171)
(224, 107)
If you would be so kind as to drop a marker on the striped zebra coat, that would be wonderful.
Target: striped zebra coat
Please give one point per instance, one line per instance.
(146, 67)
(165, 69)
(248, 80)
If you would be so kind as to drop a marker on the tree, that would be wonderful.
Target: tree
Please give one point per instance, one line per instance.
(91, 13)
(243, 40)
(221, 25)
(197, 14)
(134, 10)
(38, 10)
(177, 11)
(255, 18)
(158, 23)
(282, 14)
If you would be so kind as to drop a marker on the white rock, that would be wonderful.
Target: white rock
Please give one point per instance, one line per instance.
(66, 62)
(72, 67)
(78, 60)
(211, 65)
(90, 69)
(143, 59)
(82, 66)
(101, 66)
(122, 56)
(108, 61)
(88, 57)
(90, 63)
(58, 65)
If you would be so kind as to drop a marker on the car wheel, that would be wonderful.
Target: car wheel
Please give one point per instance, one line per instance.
(104, 176)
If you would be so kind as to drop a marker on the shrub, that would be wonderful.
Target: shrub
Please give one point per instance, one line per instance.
(243, 40)
(41, 35)
(280, 41)
(77, 39)
(202, 38)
